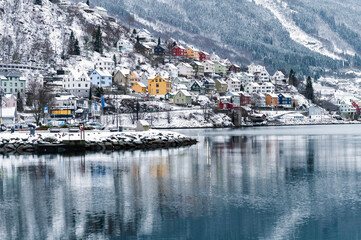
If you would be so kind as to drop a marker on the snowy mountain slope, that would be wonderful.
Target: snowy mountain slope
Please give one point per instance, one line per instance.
(284, 14)
(39, 34)
(288, 33)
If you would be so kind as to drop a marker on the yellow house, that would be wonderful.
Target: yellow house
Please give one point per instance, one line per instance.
(159, 86)
(139, 87)
(133, 78)
(191, 53)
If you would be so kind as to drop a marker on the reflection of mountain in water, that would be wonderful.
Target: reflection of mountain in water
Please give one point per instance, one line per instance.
(249, 187)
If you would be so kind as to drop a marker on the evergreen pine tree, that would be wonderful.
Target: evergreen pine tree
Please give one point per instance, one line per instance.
(76, 47)
(19, 103)
(38, 2)
(241, 88)
(98, 40)
(138, 40)
(134, 31)
(115, 60)
(309, 90)
(87, 2)
(71, 44)
(159, 41)
(90, 94)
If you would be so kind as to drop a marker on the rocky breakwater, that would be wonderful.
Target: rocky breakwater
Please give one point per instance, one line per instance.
(65, 142)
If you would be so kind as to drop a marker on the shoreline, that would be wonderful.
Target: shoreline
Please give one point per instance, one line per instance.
(59, 143)
(263, 125)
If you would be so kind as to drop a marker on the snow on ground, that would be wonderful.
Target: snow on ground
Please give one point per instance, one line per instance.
(174, 119)
(283, 14)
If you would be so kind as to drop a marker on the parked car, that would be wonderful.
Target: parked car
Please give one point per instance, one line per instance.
(95, 125)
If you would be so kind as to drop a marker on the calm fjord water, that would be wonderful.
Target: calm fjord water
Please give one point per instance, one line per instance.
(256, 183)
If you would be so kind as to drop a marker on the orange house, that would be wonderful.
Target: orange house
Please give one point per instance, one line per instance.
(139, 87)
(133, 78)
(271, 100)
(191, 53)
(159, 86)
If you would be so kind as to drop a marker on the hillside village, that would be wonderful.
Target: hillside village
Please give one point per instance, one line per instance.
(164, 81)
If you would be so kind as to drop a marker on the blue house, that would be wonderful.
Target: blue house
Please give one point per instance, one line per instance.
(159, 50)
(100, 78)
(284, 99)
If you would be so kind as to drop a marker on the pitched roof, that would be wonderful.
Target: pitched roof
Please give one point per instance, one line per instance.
(186, 93)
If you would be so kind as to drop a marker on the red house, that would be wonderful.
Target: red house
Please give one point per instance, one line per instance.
(179, 51)
(245, 99)
(203, 56)
(234, 68)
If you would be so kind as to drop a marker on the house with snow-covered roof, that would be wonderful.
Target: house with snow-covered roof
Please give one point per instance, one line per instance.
(182, 97)
(209, 67)
(234, 85)
(267, 87)
(172, 70)
(252, 87)
(278, 77)
(125, 46)
(186, 70)
(122, 76)
(100, 78)
(77, 82)
(104, 64)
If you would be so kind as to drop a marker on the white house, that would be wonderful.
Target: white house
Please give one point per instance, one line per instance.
(255, 68)
(234, 85)
(172, 70)
(315, 112)
(100, 78)
(278, 77)
(246, 78)
(104, 64)
(125, 46)
(252, 88)
(209, 67)
(185, 69)
(9, 115)
(77, 83)
(267, 87)
(347, 108)
(215, 57)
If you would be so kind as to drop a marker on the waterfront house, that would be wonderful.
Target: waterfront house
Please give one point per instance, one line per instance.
(271, 99)
(182, 97)
(159, 86)
(139, 87)
(284, 100)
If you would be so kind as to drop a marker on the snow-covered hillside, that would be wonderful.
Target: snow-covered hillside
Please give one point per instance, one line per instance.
(39, 34)
(283, 13)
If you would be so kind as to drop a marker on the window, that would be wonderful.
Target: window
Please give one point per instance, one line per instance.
(157, 91)
(11, 84)
(16, 84)
(4, 84)
(79, 85)
(157, 85)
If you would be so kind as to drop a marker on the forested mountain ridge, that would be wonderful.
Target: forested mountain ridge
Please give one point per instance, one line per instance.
(288, 33)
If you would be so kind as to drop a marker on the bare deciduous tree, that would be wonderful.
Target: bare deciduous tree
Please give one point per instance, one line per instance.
(39, 97)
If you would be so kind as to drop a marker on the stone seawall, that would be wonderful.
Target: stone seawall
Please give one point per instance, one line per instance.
(93, 142)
